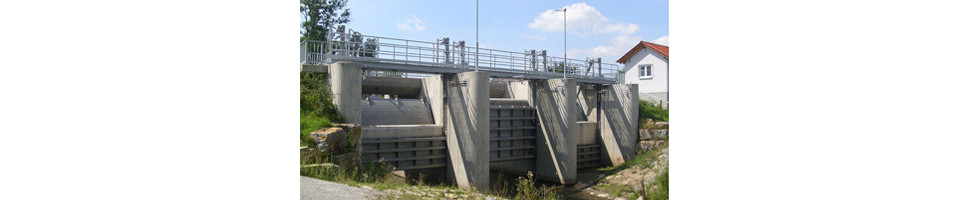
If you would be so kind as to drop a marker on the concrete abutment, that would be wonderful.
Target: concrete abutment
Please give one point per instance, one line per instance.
(571, 118)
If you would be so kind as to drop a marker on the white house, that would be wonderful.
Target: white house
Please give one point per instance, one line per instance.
(646, 64)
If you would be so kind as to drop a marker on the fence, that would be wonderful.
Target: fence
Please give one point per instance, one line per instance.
(448, 54)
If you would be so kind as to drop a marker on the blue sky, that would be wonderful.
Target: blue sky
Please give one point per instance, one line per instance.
(604, 29)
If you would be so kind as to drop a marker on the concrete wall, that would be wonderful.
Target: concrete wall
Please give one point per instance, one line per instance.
(521, 90)
(656, 83)
(406, 87)
(345, 83)
(432, 91)
(466, 126)
(587, 133)
(379, 111)
(618, 129)
(556, 108)
(587, 102)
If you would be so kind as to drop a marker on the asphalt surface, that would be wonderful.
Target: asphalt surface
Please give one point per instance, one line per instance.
(313, 189)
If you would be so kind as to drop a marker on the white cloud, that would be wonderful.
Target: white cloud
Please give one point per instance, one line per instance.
(411, 24)
(581, 19)
(665, 40)
(619, 45)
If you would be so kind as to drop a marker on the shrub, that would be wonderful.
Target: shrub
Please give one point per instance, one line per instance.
(653, 111)
(315, 96)
(316, 107)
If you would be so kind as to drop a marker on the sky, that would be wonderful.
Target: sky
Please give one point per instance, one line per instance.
(606, 29)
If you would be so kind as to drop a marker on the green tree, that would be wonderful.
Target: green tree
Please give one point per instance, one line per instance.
(558, 66)
(320, 15)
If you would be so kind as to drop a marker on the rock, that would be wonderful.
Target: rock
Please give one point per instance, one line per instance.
(643, 146)
(619, 198)
(324, 165)
(366, 187)
(640, 198)
(329, 139)
(658, 134)
(645, 134)
(353, 134)
(601, 195)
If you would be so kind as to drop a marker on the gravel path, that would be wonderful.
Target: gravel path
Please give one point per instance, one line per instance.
(312, 189)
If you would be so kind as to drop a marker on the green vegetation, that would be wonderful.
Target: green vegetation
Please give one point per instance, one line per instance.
(658, 189)
(523, 187)
(558, 67)
(316, 108)
(653, 111)
(321, 15)
(347, 171)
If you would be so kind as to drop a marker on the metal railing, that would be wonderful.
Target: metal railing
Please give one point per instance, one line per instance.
(341, 46)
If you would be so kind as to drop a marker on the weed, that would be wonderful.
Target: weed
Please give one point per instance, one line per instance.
(658, 189)
(346, 171)
(653, 111)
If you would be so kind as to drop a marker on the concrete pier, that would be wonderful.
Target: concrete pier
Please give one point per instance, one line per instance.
(461, 126)
(345, 83)
(620, 103)
(558, 134)
(466, 127)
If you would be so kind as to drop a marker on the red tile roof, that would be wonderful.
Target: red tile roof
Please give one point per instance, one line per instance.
(643, 44)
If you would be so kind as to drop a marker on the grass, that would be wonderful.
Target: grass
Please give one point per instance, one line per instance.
(316, 108)
(309, 122)
(653, 111)
(522, 187)
(659, 188)
(349, 170)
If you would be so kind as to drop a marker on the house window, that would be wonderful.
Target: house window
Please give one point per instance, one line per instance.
(646, 71)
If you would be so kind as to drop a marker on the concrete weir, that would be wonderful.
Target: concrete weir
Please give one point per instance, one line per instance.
(465, 125)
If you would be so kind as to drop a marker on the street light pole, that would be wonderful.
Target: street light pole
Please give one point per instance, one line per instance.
(476, 35)
(563, 42)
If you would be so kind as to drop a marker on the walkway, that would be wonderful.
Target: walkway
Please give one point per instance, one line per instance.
(446, 56)
(313, 189)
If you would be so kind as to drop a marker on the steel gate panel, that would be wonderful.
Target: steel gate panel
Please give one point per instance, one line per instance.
(512, 133)
(588, 155)
(406, 153)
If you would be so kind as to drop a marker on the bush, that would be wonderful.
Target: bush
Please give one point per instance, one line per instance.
(316, 107)
(315, 96)
(526, 189)
(653, 111)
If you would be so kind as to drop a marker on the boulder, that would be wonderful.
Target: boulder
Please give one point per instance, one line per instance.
(330, 139)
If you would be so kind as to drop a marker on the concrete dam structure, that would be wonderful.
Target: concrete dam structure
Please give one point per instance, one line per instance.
(466, 123)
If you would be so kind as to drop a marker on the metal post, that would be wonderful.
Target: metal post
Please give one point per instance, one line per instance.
(599, 63)
(476, 35)
(564, 58)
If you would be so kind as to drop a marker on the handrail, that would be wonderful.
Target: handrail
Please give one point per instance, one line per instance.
(444, 53)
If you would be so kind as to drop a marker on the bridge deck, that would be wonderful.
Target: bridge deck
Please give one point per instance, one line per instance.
(443, 56)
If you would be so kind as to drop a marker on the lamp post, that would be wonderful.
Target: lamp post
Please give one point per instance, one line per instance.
(476, 35)
(563, 42)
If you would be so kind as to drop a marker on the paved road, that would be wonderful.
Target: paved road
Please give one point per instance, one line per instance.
(312, 189)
